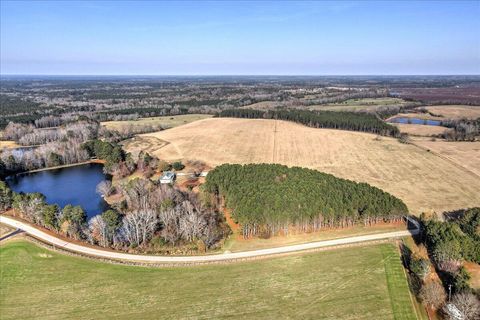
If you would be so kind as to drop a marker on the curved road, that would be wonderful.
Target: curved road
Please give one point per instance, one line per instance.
(197, 259)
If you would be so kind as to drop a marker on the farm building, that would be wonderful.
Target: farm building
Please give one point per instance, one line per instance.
(167, 177)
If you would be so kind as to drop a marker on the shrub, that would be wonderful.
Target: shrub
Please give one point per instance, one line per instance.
(178, 166)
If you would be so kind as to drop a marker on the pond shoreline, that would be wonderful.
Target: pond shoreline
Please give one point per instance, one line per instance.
(73, 184)
(61, 166)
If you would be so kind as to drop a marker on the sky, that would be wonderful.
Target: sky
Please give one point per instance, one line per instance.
(239, 38)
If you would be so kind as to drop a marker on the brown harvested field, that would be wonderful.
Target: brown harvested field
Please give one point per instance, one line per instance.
(465, 154)
(422, 179)
(166, 122)
(456, 111)
(420, 129)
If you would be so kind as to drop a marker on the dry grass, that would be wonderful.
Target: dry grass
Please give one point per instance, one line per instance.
(422, 179)
(143, 143)
(4, 230)
(166, 122)
(423, 116)
(262, 105)
(465, 154)
(456, 111)
(366, 104)
(8, 144)
(420, 129)
(236, 243)
(474, 270)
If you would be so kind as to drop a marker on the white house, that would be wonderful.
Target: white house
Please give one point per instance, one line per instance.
(167, 177)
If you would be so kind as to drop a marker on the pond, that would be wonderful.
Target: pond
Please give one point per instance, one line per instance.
(415, 121)
(72, 185)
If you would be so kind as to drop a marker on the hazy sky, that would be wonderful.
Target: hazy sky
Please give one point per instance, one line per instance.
(173, 38)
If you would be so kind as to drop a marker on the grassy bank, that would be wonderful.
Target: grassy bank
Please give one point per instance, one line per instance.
(351, 283)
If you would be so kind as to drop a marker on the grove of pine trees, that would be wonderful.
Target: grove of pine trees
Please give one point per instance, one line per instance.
(269, 198)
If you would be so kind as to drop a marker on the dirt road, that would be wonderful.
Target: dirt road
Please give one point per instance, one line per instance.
(31, 230)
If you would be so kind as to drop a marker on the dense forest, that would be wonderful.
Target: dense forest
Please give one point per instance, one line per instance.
(455, 239)
(450, 243)
(353, 121)
(266, 199)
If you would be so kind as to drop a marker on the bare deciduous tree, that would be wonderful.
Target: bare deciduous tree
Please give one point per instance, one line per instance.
(139, 226)
(432, 294)
(104, 188)
(98, 230)
(468, 305)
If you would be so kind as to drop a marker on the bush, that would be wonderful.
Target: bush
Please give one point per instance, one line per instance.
(420, 267)
(164, 166)
(404, 138)
(178, 166)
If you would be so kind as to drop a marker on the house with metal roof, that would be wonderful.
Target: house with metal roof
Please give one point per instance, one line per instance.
(167, 177)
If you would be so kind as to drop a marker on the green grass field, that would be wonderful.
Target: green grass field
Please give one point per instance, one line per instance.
(352, 283)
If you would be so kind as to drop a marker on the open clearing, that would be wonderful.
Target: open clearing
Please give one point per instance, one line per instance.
(423, 116)
(351, 283)
(262, 105)
(236, 243)
(456, 111)
(420, 129)
(165, 122)
(465, 154)
(365, 104)
(8, 144)
(474, 270)
(422, 179)
(147, 144)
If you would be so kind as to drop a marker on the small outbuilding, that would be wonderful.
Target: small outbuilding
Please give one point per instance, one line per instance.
(167, 177)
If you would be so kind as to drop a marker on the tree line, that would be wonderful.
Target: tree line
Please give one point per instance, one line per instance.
(152, 216)
(343, 120)
(266, 199)
(449, 244)
(462, 130)
(58, 146)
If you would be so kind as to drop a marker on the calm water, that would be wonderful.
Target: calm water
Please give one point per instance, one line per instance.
(73, 185)
(415, 121)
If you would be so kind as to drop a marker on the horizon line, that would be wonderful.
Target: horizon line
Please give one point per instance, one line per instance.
(236, 75)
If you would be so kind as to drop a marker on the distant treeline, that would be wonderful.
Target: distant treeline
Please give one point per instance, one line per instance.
(269, 198)
(353, 121)
(19, 110)
(462, 130)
